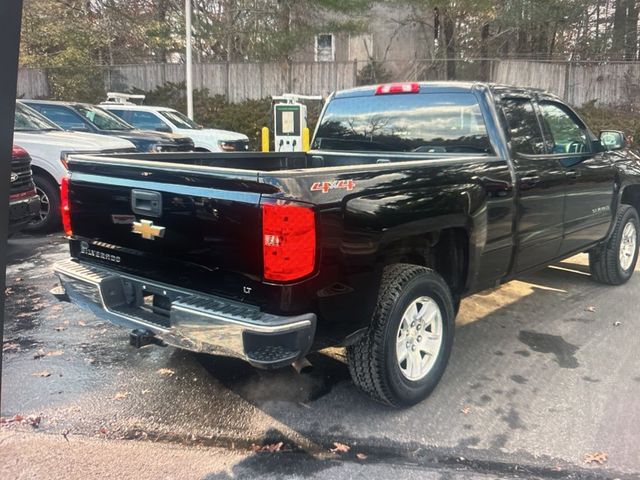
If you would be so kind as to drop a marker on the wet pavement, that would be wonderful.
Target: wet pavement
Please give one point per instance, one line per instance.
(544, 372)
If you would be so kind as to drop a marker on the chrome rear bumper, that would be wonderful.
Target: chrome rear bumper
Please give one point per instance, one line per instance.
(189, 320)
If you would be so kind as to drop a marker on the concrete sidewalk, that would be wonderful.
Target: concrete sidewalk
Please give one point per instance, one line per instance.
(44, 456)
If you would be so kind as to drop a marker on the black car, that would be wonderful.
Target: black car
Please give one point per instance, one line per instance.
(24, 204)
(82, 117)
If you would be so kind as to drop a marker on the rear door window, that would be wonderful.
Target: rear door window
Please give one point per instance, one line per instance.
(425, 122)
(523, 126)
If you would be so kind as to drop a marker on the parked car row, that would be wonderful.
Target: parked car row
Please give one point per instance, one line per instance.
(49, 131)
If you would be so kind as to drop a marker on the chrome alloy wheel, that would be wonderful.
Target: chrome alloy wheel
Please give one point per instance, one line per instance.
(419, 338)
(45, 206)
(628, 245)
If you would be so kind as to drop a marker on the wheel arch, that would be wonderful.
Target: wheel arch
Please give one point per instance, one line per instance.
(445, 250)
(44, 173)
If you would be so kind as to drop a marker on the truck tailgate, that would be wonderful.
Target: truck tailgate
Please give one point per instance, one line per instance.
(188, 223)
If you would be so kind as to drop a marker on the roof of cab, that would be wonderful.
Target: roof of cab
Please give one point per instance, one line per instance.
(444, 87)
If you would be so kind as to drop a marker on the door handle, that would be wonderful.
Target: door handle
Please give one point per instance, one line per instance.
(530, 181)
(144, 202)
(572, 173)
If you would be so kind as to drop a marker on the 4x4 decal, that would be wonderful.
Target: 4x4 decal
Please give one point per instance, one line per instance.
(324, 187)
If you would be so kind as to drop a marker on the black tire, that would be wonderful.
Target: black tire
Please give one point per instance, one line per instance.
(51, 222)
(604, 261)
(373, 360)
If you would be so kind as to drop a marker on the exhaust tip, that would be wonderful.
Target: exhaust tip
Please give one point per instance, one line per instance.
(302, 365)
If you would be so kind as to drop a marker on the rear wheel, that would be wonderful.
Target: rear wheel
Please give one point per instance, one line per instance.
(615, 262)
(402, 357)
(49, 218)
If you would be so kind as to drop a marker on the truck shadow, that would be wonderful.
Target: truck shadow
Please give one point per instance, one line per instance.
(514, 301)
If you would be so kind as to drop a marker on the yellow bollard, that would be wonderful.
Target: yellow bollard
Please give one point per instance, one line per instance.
(265, 139)
(306, 139)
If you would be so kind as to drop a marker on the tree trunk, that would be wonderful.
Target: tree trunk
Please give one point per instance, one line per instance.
(449, 28)
(631, 38)
(163, 8)
(619, 29)
(484, 52)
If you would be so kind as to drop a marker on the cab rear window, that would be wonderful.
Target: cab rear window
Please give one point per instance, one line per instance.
(425, 122)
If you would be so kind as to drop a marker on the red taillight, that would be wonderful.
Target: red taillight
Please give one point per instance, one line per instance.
(19, 152)
(288, 241)
(65, 206)
(389, 88)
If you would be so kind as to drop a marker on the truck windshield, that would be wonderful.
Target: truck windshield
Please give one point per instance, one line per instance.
(102, 119)
(179, 120)
(426, 123)
(27, 119)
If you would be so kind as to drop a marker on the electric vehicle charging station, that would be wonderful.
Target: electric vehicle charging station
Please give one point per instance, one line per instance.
(290, 130)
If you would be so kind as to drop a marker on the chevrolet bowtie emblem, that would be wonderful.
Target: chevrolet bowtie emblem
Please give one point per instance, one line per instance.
(147, 230)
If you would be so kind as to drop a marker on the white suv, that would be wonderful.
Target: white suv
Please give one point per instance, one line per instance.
(164, 119)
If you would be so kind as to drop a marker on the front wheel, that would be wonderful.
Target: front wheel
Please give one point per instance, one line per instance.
(615, 262)
(402, 357)
(49, 218)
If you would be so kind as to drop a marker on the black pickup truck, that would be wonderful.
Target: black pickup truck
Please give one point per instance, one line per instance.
(414, 196)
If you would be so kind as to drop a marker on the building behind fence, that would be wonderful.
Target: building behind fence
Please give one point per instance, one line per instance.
(612, 84)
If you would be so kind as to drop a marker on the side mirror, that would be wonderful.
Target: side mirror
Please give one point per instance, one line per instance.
(612, 140)
(164, 129)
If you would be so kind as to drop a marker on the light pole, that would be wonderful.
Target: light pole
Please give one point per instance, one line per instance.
(189, 67)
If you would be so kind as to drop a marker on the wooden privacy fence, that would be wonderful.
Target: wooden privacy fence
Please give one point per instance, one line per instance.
(614, 84)
(236, 81)
(609, 84)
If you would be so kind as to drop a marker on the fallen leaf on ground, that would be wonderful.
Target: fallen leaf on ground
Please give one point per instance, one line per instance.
(18, 279)
(591, 309)
(272, 447)
(103, 430)
(43, 374)
(361, 456)
(14, 419)
(11, 347)
(596, 457)
(167, 372)
(121, 395)
(82, 323)
(30, 420)
(466, 409)
(33, 421)
(54, 353)
(617, 324)
(340, 448)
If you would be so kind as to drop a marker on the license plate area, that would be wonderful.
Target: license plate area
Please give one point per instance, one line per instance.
(146, 302)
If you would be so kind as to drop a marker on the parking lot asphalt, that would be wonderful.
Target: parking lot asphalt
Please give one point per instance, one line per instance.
(544, 376)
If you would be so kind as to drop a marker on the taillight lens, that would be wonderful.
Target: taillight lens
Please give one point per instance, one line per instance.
(65, 206)
(390, 88)
(289, 241)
